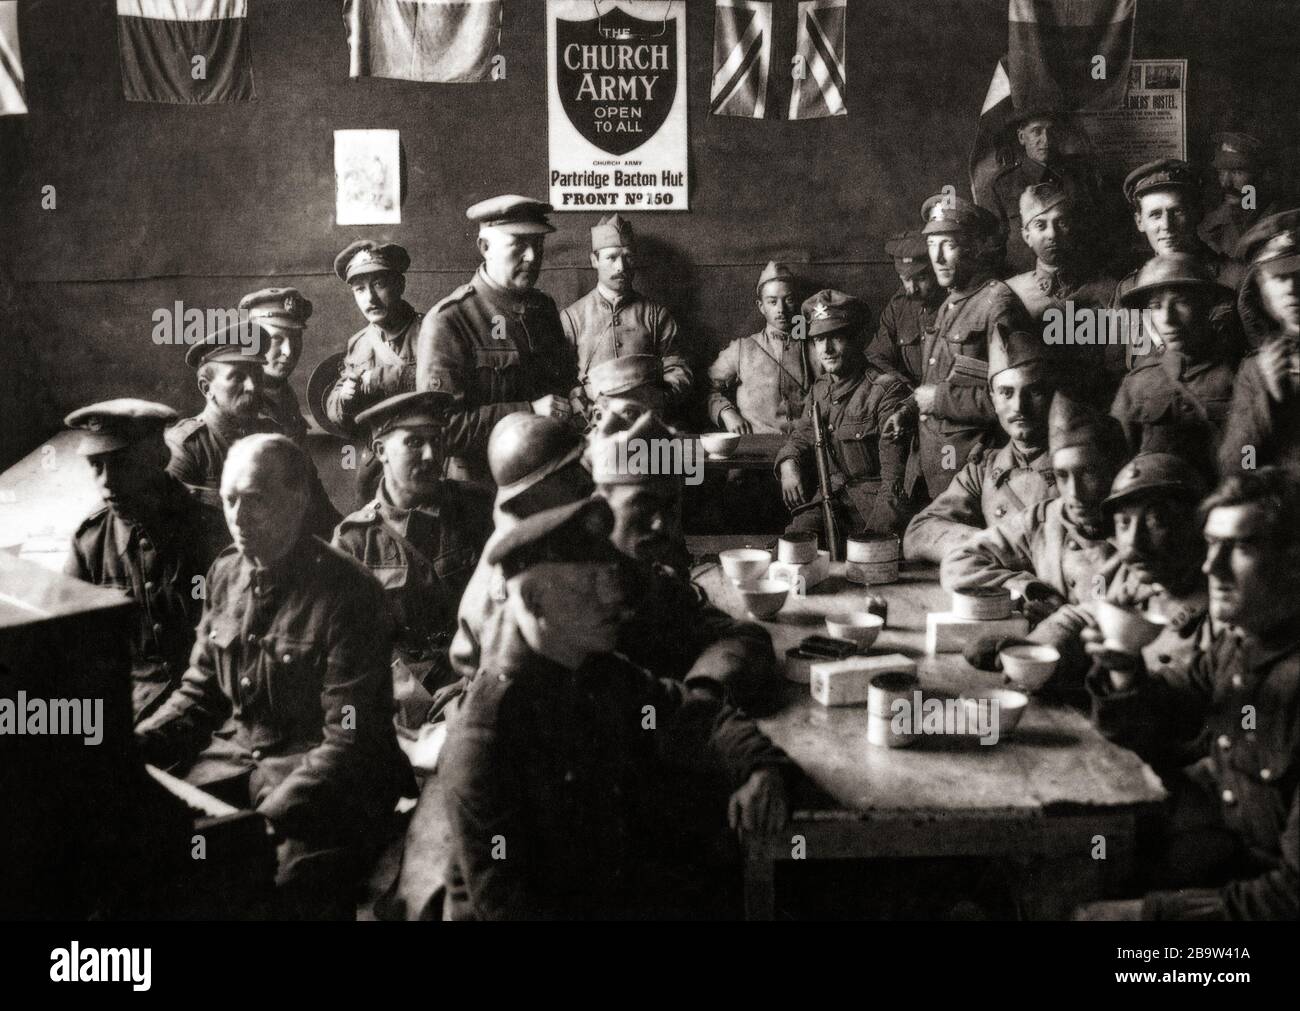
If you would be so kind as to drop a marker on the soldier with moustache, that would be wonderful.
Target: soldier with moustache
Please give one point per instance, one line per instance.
(1240, 161)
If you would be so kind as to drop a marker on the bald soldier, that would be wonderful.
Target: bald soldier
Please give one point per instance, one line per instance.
(496, 344)
(151, 540)
(996, 480)
(952, 402)
(1240, 163)
(614, 319)
(282, 313)
(759, 382)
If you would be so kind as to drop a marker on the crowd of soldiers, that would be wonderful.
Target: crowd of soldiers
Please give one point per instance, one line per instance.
(510, 606)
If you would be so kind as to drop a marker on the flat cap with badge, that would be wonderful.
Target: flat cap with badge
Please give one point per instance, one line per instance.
(947, 213)
(1163, 174)
(1273, 243)
(1236, 150)
(1155, 472)
(422, 409)
(365, 256)
(239, 342)
(909, 252)
(280, 307)
(512, 214)
(115, 424)
(573, 532)
(830, 310)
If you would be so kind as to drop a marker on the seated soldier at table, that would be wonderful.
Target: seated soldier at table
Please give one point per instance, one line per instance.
(564, 740)
(1223, 732)
(759, 382)
(1052, 553)
(282, 313)
(151, 540)
(421, 538)
(855, 400)
(289, 686)
(1177, 401)
(996, 481)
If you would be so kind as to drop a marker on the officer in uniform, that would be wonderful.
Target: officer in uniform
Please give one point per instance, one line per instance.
(282, 313)
(1264, 418)
(855, 400)
(614, 319)
(996, 480)
(151, 540)
(910, 312)
(288, 687)
(1239, 161)
(1177, 401)
(952, 401)
(1231, 845)
(1054, 552)
(759, 382)
(420, 537)
(496, 344)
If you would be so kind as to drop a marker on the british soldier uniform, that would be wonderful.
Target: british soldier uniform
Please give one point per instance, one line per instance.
(906, 319)
(283, 309)
(1222, 228)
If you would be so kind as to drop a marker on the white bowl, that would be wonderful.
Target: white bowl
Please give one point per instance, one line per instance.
(720, 444)
(860, 627)
(1010, 706)
(744, 565)
(763, 597)
(1127, 631)
(1029, 667)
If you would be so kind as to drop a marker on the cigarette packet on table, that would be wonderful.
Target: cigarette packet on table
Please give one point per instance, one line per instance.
(845, 682)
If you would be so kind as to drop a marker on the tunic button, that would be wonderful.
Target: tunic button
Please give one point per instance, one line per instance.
(212, 633)
(569, 777)
(157, 629)
(1265, 774)
(1225, 742)
(148, 585)
(1238, 681)
(287, 658)
(1000, 511)
(257, 754)
(252, 639)
(245, 682)
(1229, 797)
(931, 361)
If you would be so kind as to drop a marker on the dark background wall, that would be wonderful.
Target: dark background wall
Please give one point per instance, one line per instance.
(158, 203)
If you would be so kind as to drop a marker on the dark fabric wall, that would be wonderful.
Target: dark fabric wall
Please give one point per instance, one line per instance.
(158, 203)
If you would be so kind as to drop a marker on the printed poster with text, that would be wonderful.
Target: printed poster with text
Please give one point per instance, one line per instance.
(616, 80)
(1152, 122)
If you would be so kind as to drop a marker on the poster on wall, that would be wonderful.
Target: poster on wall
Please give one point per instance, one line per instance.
(616, 84)
(368, 177)
(1152, 122)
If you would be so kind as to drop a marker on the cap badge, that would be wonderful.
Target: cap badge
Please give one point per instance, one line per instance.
(290, 303)
(820, 311)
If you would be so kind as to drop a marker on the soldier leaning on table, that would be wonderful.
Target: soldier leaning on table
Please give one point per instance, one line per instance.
(1224, 733)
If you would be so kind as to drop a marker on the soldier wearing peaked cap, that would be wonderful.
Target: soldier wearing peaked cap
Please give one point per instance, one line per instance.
(496, 344)
(910, 312)
(421, 537)
(1001, 476)
(759, 382)
(282, 313)
(855, 399)
(952, 402)
(150, 540)
(614, 319)
(1239, 160)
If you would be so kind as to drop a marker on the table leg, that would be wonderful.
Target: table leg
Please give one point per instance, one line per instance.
(760, 883)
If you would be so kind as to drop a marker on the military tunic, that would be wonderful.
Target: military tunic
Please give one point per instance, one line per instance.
(1222, 228)
(1172, 404)
(866, 472)
(423, 558)
(994, 483)
(281, 404)
(1073, 173)
(495, 351)
(954, 359)
(1270, 429)
(388, 358)
(1036, 545)
(765, 377)
(904, 322)
(164, 570)
(599, 330)
(1187, 722)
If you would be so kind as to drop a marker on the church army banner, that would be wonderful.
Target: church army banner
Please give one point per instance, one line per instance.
(616, 73)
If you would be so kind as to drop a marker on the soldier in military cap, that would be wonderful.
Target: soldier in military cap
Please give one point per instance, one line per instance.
(1239, 161)
(614, 319)
(626, 388)
(854, 399)
(952, 401)
(421, 537)
(1177, 401)
(1053, 552)
(151, 540)
(547, 738)
(282, 313)
(910, 312)
(1264, 417)
(1001, 476)
(759, 382)
(496, 344)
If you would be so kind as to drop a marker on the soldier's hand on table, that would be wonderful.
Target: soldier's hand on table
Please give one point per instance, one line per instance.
(759, 806)
(792, 489)
(733, 421)
(551, 406)
(1111, 910)
(1276, 369)
(924, 397)
(1040, 600)
(982, 654)
(1124, 668)
(896, 425)
(348, 390)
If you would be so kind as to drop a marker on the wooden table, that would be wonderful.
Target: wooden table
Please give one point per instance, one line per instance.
(756, 451)
(1045, 799)
(43, 499)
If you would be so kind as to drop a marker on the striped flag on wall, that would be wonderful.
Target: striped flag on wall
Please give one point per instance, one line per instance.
(820, 48)
(1052, 47)
(450, 41)
(185, 51)
(742, 57)
(13, 100)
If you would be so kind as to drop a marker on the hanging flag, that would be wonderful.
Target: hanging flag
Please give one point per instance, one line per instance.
(991, 152)
(1069, 54)
(742, 56)
(185, 51)
(450, 41)
(819, 52)
(12, 93)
